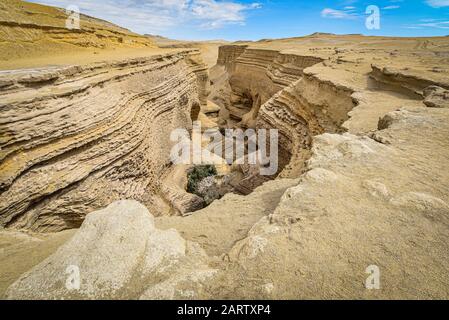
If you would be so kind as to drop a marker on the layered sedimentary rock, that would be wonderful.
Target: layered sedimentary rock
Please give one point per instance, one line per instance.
(268, 89)
(365, 192)
(76, 138)
(322, 83)
(436, 97)
(408, 79)
(29, 30)
(361, 203)
(228, 54)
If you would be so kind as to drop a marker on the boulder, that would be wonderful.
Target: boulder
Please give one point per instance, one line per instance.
(116, 254)
(436, 97)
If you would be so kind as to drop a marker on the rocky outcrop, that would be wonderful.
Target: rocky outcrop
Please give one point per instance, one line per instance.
(436, 97)
(308, 86)
(216, 229)
(227, 55)
(405, 79)
(118, 253)
(76, 138)
(301, 111)
(273, 90)
(320, 240)
(255, 75)
(364, 192)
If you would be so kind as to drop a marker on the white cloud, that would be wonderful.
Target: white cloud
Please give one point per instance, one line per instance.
(338, 14)
(154, 16)
(216, 14)
(438, 25)
(430, 23)
(391, 7)
(438, 3)
(347, 2)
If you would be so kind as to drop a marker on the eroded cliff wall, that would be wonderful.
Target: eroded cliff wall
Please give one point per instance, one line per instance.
(270, 89)
(76, 138)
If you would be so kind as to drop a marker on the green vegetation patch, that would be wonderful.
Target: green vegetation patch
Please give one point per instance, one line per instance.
(197, 174)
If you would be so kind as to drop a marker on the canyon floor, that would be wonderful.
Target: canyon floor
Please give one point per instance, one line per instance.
(86, 178)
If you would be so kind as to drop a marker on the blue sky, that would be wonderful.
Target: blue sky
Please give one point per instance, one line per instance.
(253, 20)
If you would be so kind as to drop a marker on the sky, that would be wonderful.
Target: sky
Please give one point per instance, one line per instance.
(262, 19)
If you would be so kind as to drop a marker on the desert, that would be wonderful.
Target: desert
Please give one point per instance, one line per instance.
(93, 206)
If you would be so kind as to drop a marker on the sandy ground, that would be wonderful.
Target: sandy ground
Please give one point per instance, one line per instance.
(19, 252)
(208, 49)
(81, 57)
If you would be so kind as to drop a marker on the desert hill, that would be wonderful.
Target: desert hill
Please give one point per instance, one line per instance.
(33, 34)
(208, 49)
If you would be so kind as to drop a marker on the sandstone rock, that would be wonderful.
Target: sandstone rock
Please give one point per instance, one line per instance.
(436, 97)
(210, 107)
(97, 133)
(406, 78)
(219, 226)
(117, 253)
(349, 211)
(23, 25)
(376, 189)
(430, 206)
(365, 191)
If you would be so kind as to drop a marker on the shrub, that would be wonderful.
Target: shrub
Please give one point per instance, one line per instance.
(197, 174)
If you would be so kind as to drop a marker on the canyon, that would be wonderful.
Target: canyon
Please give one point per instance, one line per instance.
(86, 178)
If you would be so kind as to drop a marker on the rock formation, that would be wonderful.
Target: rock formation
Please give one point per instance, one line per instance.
(361, 203)
(76, 138)
(116, 254)
(30, 30)
(293, 246)
(360, 194)
(436, 97)
(364, 139)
